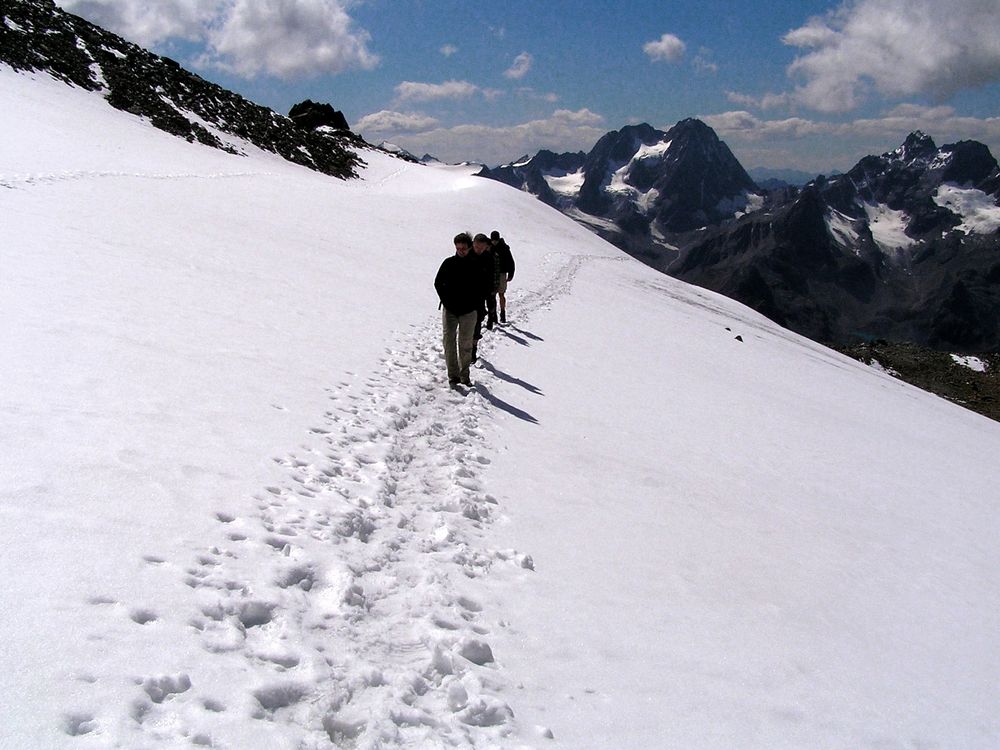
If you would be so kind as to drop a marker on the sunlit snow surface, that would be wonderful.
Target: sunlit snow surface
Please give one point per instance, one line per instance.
(842, 228)
(242, 509)
(973, 363)
(888, 227)
(979, 211)
(566, 184)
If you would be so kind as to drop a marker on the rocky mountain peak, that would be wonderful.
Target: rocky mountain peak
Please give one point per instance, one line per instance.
(918, 145)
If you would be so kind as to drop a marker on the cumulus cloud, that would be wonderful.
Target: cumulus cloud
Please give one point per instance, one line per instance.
(387, 121)
(148, 23)
(412, 91)
(282, 38)
(668, 48)
(448, 50)
(519, 69)
(564, 130)
(897, 48)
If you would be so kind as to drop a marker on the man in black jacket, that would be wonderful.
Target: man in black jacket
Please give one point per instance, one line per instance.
(505, 268)
(459, 284)
(482, 253)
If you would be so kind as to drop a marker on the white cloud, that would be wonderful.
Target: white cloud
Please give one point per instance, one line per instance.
(704, 63)
(579, 117)
(520, 67)
(412, 91)
(395, 122)
(529, 93)
(746, 125)
(564, 130)
(768, 101)
(448, 50)
(147, 23)
(941, 122)
(667, 48)
(898, 48)
(282, 38)
(888, 130)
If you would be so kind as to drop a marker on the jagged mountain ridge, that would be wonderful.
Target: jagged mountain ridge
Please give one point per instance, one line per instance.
(639, 185)
(905, 247)
(36, 35)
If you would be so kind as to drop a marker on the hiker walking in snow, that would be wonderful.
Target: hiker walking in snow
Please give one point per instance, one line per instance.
(460, 287)
(505, 270)
(485, 261)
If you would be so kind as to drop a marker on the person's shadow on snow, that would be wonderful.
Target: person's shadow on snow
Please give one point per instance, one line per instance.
(526, 334)
(510, 378)
(501, 404)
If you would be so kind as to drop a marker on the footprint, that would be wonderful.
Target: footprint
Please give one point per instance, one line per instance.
(78, 723)
(143, 616)
(280, 695)
(213, 705)
(163, 686)
(254, 613)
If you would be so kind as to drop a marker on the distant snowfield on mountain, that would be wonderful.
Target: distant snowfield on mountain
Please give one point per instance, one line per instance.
(978, 210)
(242, 508)
(888, 227)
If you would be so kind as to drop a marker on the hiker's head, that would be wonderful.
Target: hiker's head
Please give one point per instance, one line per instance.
(463, 243)
(494, 236)
(480, 243)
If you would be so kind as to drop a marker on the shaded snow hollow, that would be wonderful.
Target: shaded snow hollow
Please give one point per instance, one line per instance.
(243, 509)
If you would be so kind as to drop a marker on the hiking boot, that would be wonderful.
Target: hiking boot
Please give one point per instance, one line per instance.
(467, 381)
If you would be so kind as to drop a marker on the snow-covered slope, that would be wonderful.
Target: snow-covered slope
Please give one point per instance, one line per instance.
(242, 509)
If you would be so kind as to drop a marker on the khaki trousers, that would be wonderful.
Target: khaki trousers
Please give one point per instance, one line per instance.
(459, 331)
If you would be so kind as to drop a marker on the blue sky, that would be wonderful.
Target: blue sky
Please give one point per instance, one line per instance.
(811, 85)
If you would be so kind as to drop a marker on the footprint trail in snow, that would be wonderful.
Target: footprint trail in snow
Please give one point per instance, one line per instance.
(345, 608)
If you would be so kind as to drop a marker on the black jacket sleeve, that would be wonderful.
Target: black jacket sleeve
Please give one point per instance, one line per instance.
(508, 261)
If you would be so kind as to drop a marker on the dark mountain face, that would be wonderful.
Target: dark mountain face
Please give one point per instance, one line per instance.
(38, 36)
(646, 182)
(904, 247)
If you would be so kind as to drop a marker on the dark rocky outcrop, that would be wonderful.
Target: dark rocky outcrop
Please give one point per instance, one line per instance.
(312, 115)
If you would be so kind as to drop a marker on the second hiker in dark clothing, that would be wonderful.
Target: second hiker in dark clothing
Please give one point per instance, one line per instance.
(486, 263)
(461, 288)
(505, 270)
